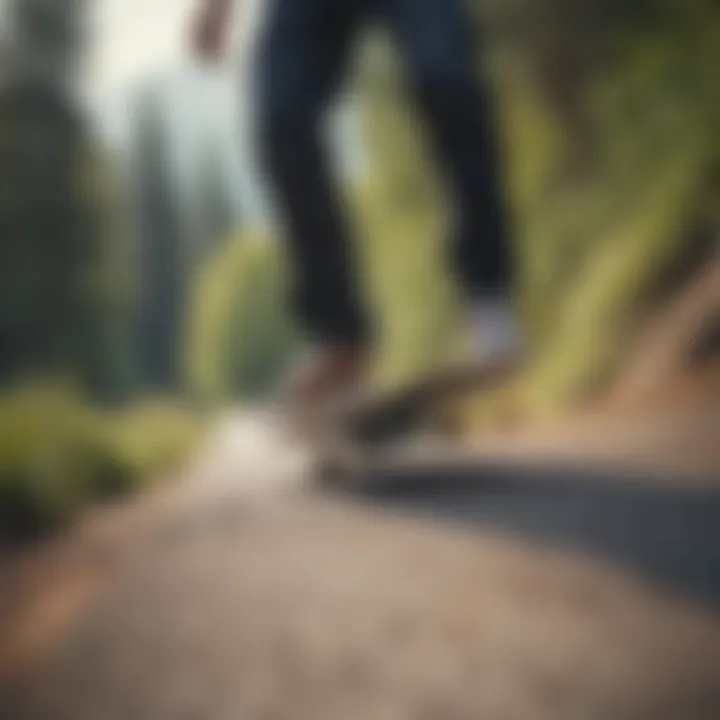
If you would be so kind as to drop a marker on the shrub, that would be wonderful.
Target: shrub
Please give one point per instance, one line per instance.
(57, 453)
(152, 438)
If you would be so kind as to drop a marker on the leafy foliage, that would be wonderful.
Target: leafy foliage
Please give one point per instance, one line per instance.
(57, 453)
(240, 331)
(597, 231)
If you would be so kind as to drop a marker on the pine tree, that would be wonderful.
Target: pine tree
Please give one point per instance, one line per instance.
(44, 40)
(58, 299)
(161, 260)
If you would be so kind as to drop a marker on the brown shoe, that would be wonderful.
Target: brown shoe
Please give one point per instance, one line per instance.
(324, 376)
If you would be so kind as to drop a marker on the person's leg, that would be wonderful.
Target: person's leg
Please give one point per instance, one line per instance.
(301, 61)
(435, 38)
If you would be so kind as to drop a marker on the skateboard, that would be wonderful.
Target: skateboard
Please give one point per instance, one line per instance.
(405, 425)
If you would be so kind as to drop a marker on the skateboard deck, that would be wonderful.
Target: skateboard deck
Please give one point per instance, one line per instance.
(376, 429)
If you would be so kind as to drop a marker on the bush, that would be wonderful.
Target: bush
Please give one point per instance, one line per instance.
(152, 438)
(57, 454)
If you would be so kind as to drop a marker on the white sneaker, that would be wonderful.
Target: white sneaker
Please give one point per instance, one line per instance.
(495, 334)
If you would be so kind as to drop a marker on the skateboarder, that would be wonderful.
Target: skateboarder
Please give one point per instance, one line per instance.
(303, 53)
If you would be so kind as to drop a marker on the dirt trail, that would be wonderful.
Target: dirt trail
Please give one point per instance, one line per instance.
(240, 593)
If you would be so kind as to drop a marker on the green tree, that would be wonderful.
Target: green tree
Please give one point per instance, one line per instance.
(61, 287)
(161, 258)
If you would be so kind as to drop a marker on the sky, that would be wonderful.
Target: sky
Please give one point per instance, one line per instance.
(135, 38)
(135, 42)
(140, 42)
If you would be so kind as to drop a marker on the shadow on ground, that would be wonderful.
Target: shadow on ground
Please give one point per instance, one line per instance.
(666, 532)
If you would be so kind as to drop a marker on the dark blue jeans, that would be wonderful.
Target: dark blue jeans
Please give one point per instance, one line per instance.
(302, 61)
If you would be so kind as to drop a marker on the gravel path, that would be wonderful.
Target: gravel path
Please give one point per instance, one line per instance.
(242, 595)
